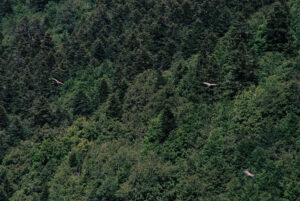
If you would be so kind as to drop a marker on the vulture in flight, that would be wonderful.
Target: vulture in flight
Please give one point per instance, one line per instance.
(57, 82)
(209, 84)
(248, 173)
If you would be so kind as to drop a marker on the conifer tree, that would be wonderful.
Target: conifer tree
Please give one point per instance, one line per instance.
(41, 111)
(1, 48)
(15, 131)
(5, 7)
(277, 30)
(168, 122)
(114, 107)
(38, 4)
(159, 129)
(3, 118)
(102, 90)
(81, 103)
(98, 50)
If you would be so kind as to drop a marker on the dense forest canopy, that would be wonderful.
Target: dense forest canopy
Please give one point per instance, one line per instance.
(105, 100)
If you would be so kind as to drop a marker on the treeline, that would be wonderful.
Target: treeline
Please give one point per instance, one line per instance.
(133, 119)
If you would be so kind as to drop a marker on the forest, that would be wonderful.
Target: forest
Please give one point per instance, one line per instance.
(105, 100)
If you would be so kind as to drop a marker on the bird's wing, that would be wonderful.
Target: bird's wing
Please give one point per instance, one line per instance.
(248, 173)
(58, 82)
(54, 79)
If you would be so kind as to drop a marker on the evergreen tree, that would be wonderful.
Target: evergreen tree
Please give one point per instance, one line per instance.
(15, 131)
(168, 122)
(41, 111)
(38, 4)
(152, 130)
(81, 103)
(159, 130)
(98, 50)
(3, 118)
(114, 107)
(277, 33)
(5, 7)
(102, 90)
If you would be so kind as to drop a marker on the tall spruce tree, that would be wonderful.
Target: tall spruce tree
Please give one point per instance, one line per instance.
(3, 118)
(114, 107)
(277, 33)
(81, 103)
(102, 90)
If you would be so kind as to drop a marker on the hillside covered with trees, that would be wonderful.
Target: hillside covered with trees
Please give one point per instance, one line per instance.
(104, 100)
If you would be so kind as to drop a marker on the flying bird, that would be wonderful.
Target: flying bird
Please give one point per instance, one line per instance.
(57, 82)
(209, 84)
(248, 173)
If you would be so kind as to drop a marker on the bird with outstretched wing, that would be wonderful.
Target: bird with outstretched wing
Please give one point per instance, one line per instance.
(209, 84)
(248, 173)
(57, 82)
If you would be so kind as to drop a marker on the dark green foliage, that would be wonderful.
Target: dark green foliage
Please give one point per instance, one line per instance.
(15, 131)
(113, 108)
(3, 118)
(237, 61)
(81, 103)
(132, 118)
(168, 121)
(5, 7)
(159, 130)
(201, 68)
(41, 111)
(98, 50)
(102, 90)
(154, 135)
(139, 97)
(277, 33)
(149, 180)
(38, 4)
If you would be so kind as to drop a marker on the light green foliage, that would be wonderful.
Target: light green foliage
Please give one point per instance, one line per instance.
(110, 167)
(82, 128)
(292, 191)
(47, 151)
(138, 96)
(154, 134)
(99, 170)
(16, 165)
(67, 179)
(149, 180)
